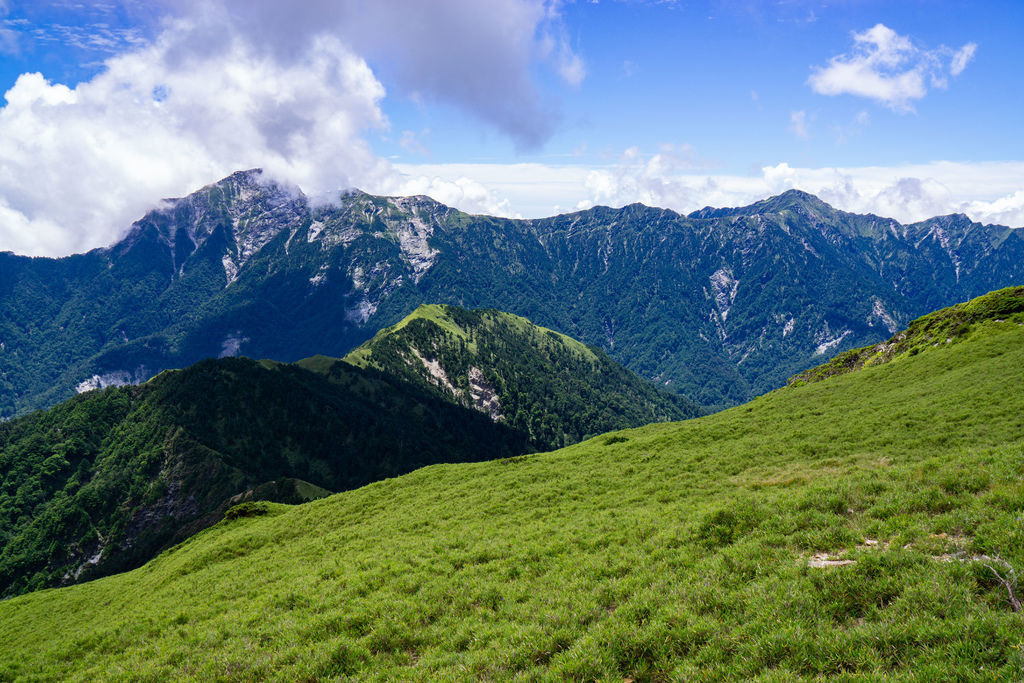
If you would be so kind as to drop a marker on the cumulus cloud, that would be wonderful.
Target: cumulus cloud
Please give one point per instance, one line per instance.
(477, 55)
(287, 87)
(460, 191)
(77, 165)
(889, 68)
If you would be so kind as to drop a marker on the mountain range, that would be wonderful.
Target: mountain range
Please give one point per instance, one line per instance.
(718, 306)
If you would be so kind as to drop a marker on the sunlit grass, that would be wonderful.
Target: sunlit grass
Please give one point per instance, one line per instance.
(672, 552)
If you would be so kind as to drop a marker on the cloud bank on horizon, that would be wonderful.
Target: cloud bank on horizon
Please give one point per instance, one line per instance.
(298, 89)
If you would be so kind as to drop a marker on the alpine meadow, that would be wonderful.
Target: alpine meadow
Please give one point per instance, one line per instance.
(639, 341)
(864, 525)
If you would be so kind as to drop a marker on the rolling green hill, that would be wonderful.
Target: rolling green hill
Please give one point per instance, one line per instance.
(546, 385)
(101, 483)
(865, 526)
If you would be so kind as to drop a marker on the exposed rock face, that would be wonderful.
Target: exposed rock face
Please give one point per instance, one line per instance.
(438, 376)
(413, 237)
(879, 313)
(724, 287)
(484, 394)
(113, 378)
(719, 305)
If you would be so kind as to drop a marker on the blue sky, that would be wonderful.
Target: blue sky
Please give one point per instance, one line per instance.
(514, 107)
(725, 78)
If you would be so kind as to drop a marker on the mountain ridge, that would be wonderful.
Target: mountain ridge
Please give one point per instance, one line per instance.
(717, 308)
(544, 384)
(102, 482)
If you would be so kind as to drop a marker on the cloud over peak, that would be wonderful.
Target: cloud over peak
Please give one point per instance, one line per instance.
(231, 84)
(889, 68)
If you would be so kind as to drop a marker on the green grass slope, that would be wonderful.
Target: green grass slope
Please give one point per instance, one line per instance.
(546, 385)
(103, 482)
(947, 326)
(847, 529)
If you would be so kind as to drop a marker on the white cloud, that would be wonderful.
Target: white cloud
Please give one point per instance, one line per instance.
(962, 58)
(526, 189)
(571, 68)
(798, 124)
(9, 44)
(555, 45)
(889, 68)
(463, 192)
(237, 84)
(986, 191)
(1005, 210)
(78, 165)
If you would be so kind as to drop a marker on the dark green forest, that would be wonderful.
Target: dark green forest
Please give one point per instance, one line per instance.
(552, 388)
(102, 482)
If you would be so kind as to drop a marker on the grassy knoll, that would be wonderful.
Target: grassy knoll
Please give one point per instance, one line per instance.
(682, 551)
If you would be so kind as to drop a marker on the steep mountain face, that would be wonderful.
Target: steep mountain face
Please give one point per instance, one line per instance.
(102, 482)
(546, 385)
(718, 306)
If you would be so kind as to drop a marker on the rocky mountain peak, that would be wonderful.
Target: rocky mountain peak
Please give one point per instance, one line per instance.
(798, 201)
(240, 214)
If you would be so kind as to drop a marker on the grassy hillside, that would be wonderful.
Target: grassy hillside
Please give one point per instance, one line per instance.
(548, 386)
(947, 326)
(848, 528)
(103, 482)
